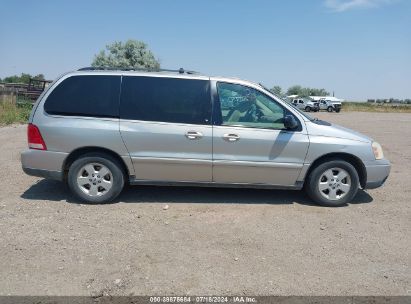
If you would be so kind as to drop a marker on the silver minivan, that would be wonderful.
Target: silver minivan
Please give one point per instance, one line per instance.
(99, 129)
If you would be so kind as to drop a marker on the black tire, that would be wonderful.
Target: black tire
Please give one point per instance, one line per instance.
(312, 188)
(338, 110)
(307, 109)
(330, 109)
(117, 174)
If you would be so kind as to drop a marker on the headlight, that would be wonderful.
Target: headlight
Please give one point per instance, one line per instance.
(377, 149)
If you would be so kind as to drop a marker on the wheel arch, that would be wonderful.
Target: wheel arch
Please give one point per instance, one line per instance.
(350, 158)
(75, 154)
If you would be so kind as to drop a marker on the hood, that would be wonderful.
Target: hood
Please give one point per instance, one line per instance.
(323, 128)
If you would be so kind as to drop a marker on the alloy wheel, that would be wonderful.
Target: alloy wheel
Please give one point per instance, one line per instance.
(334, 184)
(95, 179)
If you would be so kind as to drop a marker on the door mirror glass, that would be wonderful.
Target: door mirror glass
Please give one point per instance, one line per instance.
(290, 122)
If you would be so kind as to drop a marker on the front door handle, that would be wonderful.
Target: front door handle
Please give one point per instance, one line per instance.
(194, 135)
(231, 137)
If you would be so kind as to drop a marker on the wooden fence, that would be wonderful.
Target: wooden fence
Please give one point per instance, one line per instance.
(11, 92)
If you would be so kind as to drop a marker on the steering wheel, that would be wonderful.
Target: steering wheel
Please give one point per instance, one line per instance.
(254, 114)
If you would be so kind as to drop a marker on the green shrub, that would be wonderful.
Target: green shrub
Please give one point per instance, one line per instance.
(15, 113)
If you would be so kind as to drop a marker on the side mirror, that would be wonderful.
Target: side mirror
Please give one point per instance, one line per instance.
(290, 122)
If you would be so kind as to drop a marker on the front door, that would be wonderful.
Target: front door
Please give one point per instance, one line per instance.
(165, 125)
(250, 143)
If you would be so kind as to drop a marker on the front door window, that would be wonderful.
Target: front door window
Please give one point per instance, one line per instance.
(248, 107)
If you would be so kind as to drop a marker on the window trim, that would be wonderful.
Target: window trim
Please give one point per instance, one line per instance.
(218, 118)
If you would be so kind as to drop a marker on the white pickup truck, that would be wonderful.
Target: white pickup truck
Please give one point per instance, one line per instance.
(306, 104)
(329, 105)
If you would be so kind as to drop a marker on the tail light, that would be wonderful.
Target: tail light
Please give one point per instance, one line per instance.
(34, 138)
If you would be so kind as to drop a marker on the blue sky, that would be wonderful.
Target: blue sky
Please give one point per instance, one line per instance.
(358, 48)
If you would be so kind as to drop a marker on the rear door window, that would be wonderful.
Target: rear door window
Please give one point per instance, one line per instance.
(86, 95)
(163, 99)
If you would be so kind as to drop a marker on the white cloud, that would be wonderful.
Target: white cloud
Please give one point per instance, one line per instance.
(345, 5)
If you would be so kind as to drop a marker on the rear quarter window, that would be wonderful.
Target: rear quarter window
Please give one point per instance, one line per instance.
(88, 95)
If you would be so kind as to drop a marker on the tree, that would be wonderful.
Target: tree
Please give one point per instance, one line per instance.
(305, 92)
(294, 90)
(23, 78)
(319, 92)
(277, 90)
(131, 54)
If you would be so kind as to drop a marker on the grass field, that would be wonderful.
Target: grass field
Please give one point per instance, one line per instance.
(15, 113)
(371, 107)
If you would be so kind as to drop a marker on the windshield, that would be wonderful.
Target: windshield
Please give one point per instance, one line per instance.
(285, 100)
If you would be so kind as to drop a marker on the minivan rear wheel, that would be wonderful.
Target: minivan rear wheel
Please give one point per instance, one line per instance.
(330, 109)
(333, 183)
(96, 178)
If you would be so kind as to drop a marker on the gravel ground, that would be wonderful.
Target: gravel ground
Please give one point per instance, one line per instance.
(209, 241)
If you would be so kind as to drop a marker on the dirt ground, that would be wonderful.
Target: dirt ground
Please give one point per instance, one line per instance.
(209, 241)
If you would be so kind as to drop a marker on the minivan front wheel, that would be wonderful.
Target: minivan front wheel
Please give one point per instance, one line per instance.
(96, 178)
(333, 183)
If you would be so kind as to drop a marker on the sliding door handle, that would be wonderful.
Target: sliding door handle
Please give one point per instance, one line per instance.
(231, 137)
(194, 135)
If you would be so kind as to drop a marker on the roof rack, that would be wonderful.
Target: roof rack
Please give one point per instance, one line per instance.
(180, 70)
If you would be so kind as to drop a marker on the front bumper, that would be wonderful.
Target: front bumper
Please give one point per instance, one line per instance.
(47, 164)
(377, 173)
